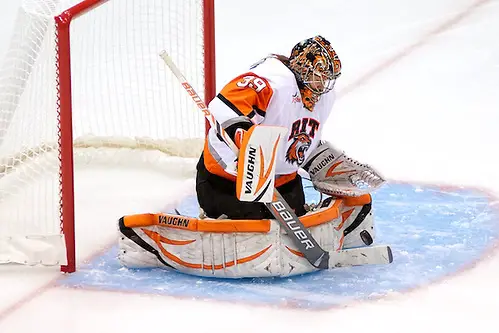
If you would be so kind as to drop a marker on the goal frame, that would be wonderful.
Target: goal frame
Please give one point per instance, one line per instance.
(64, 104)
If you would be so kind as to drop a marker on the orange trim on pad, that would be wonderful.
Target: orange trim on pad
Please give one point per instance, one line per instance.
(224, 225)
(195, 224)
(157, 239)
(357, 201)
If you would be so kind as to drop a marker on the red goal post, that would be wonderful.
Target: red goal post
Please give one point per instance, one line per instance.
(109, 91)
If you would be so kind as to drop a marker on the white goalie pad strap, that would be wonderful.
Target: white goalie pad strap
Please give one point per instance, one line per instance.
(334, 173)
(257, 161)
(33, 250)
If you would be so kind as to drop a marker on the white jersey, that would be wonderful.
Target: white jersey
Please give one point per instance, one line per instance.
(268, 95)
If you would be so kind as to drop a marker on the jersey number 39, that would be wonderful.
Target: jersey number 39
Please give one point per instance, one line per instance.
(252, 82)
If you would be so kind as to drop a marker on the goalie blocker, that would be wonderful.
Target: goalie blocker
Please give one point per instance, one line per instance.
(249, 248)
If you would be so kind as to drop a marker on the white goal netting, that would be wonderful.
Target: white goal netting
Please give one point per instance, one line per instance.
(127, 108)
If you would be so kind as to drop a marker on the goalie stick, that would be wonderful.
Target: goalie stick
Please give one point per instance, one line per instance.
(280, 209)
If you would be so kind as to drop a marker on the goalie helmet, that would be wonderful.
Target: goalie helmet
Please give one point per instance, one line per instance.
(315, 64)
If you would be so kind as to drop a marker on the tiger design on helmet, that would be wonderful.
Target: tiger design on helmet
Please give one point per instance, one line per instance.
(315, 64)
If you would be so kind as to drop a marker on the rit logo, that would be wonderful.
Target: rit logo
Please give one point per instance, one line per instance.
(304, 125)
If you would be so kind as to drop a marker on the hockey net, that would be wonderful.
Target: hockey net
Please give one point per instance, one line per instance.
(82, 83)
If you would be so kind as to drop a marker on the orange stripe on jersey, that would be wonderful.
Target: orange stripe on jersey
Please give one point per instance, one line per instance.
(246, 93)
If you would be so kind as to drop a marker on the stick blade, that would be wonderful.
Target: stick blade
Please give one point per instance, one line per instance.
(372, 255)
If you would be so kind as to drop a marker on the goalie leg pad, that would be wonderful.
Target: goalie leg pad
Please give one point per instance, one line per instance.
(227, 255)
(358, 228)
(225, 248)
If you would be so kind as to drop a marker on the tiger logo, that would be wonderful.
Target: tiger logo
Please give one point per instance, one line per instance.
(297, 149)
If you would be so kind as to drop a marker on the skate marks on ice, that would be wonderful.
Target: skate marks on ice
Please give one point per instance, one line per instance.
(433, 232)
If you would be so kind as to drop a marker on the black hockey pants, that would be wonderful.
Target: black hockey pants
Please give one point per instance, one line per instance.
(217, 195)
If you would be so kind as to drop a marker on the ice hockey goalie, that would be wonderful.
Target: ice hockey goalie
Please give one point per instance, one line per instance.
(237, 235)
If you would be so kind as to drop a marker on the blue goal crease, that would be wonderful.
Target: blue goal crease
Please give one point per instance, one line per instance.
(433, 233)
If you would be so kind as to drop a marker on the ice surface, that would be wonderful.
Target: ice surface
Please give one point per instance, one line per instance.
(417, 99)
(433, 234)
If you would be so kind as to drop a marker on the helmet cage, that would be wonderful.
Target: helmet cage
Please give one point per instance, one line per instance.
(316, 66)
